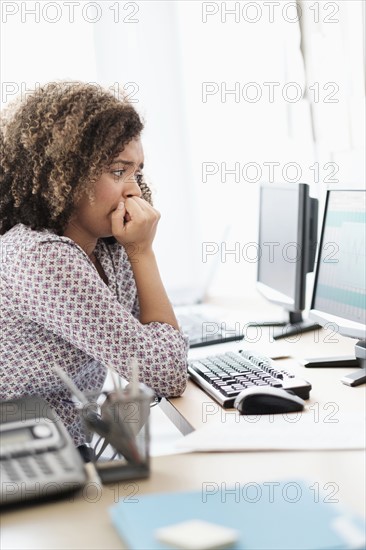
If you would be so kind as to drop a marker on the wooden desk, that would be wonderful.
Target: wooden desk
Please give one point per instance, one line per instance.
(82, 521)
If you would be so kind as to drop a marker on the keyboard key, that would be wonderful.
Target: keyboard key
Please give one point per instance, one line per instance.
(243, 369)
(200, 368)
(276, 384)
(230, 392)
(223, 376)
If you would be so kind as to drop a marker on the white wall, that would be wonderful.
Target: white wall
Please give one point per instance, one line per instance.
(163, 53)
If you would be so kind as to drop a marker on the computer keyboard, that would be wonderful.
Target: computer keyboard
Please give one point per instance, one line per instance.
(224, 376)
(204, 332)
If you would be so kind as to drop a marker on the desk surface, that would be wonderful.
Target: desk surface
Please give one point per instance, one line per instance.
(82, 521)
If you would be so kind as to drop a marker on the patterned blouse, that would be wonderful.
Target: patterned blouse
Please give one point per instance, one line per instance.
(56, 310)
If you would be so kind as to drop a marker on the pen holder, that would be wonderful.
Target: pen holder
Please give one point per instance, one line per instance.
(122, 424)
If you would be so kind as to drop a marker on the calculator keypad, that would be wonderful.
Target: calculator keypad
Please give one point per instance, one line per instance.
(36, 466)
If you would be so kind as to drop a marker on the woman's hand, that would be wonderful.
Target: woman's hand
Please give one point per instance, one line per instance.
(134, 225)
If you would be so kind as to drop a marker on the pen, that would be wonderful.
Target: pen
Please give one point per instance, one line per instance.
(134, 384)
(70, 385)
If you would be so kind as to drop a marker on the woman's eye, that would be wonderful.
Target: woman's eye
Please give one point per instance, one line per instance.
(122, 172)
(118, 173)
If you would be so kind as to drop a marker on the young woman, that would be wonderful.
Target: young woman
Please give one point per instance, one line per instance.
(80, 287)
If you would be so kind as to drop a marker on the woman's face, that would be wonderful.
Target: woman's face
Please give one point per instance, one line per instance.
(117, 183)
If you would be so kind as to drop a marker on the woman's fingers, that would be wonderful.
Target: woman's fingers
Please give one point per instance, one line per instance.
(117, 219)
(131, 202)
(137, 208)
(135, 221)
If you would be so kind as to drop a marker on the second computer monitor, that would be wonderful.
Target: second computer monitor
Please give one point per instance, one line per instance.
(339, 296)
(287, 244)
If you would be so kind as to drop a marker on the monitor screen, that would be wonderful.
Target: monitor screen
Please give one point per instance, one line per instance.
(278, 238)
(339, 292)
(287, 241)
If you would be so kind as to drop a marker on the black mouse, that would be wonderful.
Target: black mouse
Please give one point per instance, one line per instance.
(267, 400)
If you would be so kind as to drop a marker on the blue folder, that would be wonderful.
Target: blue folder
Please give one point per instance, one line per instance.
(278, 515)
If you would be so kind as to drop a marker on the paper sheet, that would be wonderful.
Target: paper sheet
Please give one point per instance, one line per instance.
(292, 431)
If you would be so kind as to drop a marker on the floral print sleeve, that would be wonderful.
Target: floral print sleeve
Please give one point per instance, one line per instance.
(56, 309)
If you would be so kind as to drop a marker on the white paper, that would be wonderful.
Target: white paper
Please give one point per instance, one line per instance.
(292, 431)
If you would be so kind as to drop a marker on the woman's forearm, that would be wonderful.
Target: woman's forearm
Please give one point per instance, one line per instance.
(153, 300)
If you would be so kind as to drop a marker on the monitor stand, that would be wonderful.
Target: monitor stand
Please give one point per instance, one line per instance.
(358, 360)
(267, 324)
(296, 325)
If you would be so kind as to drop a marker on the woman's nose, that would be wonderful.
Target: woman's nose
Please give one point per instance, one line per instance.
(132, 188)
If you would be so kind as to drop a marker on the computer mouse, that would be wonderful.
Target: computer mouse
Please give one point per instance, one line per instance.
(267, 400)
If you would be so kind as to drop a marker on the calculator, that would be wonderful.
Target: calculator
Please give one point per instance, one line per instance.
(38, 458)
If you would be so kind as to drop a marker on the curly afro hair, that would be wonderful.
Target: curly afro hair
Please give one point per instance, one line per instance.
(55, 145)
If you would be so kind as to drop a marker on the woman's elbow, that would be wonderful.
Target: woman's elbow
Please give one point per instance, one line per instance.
(179, 385)
(174, 379)
(171, 363)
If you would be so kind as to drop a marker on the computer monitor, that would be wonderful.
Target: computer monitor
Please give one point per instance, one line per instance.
(339, 294)
(288, 222)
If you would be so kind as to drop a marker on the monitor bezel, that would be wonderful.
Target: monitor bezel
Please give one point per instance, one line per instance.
(345, 327)
(297, 302)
